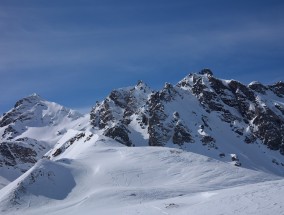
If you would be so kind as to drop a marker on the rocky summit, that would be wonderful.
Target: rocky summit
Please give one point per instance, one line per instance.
(193, 111)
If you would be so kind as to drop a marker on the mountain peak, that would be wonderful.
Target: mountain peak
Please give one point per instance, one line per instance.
(142, 86)
(168, 85)
(140, 82)
(31, 99)
(206, 71)
(35, 95)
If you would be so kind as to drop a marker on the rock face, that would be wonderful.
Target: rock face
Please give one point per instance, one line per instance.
(114, 114)
(21, 154)
(183, 114)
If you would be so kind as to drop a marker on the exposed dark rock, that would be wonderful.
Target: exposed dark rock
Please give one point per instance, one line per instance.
(24, 154)
(89, 137)
(234, 157)
(172, 205)
(258, 87)
(113, 114)
(144, 119)
(76, 138)
(6, 120)
(241, 90)
(228, 117)
(217, 85)
(207, 139)
(237, 163)
(100, 116)
(119, 133)
(181, 135)
(206, 72)
(57, 152)
(120, 98)
(239, 131)
(278, 88)
(7, 155)
(275, 161)
(168, 93)
(270, 128)
(9, 132)
(158, 132)
(13, 153)
(205, 121)
(198, 86)
(250, 138)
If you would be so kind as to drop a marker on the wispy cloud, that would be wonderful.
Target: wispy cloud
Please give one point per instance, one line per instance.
(80, 51)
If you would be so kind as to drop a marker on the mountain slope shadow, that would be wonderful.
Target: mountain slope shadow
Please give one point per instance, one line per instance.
(48, 179)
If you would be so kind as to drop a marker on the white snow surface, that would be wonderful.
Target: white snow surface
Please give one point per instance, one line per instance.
(101, 176)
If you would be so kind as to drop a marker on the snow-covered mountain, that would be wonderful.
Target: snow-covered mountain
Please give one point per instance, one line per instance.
(28, 131)
(219, 142)
(223, 119)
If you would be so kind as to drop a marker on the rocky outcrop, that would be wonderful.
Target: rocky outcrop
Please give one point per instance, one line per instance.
(119, 133)
(113, 114)
(181, 135)
(158, 132)
(277, 88)
(258, 87)
(247, 110)
(270, 129)
(21, 154)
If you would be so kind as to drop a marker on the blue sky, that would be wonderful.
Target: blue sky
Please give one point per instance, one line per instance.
(76, 52)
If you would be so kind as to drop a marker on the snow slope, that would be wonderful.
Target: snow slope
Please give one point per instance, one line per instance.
(102, 176)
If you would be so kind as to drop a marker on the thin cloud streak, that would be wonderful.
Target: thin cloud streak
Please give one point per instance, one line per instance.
(78, 52)
(32, 54)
